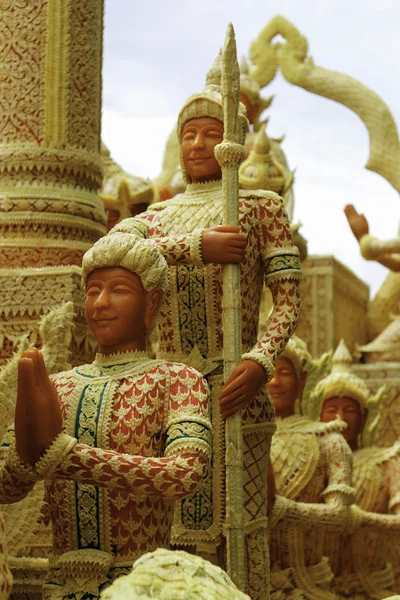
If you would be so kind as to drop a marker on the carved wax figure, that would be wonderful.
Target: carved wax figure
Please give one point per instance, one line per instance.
(189, 231)
(175, 575)
(312, 466)
(117, 441)
(359, 560)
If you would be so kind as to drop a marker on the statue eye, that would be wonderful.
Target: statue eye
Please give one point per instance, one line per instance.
(214, 134)
(120, 289)
(93, 291)
(188, 136)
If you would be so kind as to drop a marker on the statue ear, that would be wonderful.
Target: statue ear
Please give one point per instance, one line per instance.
(153, 303)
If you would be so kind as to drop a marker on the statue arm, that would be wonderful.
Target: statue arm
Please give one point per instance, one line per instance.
(177, 250)
(387, 252)
(281, 263)
(335, 511)
(339, 465)
(308, 514)
(173, 476)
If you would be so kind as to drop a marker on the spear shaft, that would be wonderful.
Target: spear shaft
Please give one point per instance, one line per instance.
(230, 154)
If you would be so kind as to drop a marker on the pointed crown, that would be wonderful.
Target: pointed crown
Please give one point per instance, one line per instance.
(296, 351)
(341, 381)
(261, 170)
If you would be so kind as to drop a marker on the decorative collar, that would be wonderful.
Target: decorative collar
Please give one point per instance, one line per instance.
(120, 358)
(204, 187)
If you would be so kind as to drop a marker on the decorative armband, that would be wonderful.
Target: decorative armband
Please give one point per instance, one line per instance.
(54, 455)
(24, 471)
(261, 360)
(287, 264)
(341, 489)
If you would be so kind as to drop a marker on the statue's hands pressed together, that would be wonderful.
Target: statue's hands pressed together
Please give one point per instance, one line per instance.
(357, 222)
(241, 387)
(223, 244)
(38, 418)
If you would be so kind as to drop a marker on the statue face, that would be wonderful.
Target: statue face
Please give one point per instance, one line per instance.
(284, 387)
(349, 411)
(199, 138)
(119, 311)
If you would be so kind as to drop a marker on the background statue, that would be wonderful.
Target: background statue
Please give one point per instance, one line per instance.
(312, 468)
(359, 558)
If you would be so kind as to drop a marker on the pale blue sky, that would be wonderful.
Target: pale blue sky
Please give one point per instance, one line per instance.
(157, 52)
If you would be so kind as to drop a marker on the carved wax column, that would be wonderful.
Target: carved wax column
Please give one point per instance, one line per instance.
(50, 109)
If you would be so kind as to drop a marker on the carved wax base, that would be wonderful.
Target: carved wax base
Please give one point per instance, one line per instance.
(29, 575)
(334, 305)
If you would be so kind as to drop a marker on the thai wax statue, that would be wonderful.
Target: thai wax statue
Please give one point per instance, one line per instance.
(359, 558)
(190, 232)
(116, 441)
(171, 180)
(312, 467)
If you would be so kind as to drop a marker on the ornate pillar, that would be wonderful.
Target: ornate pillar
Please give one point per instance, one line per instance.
(50, 111)
(50, 164)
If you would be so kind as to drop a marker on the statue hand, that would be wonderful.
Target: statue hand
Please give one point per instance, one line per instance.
(223, 244)
(357, 222)
(38, 418)
(242, 386)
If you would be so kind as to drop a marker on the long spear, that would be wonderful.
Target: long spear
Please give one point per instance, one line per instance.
(230, 154)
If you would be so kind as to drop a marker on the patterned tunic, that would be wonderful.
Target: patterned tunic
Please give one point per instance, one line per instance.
(190, 325)
(136, 437)
(312, 466)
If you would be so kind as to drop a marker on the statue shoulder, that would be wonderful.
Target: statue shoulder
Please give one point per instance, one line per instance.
(185, 373)
(267, 197)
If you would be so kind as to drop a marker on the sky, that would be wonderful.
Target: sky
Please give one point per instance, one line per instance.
(157, 53)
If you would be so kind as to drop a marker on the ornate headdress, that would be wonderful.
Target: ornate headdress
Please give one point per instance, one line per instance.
(208, 103)
(296, 351)
(261, 170)
(342, 382)
(122, 250)
(173, 574)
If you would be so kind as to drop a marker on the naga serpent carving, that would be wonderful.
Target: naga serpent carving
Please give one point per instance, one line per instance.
(299, 69)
